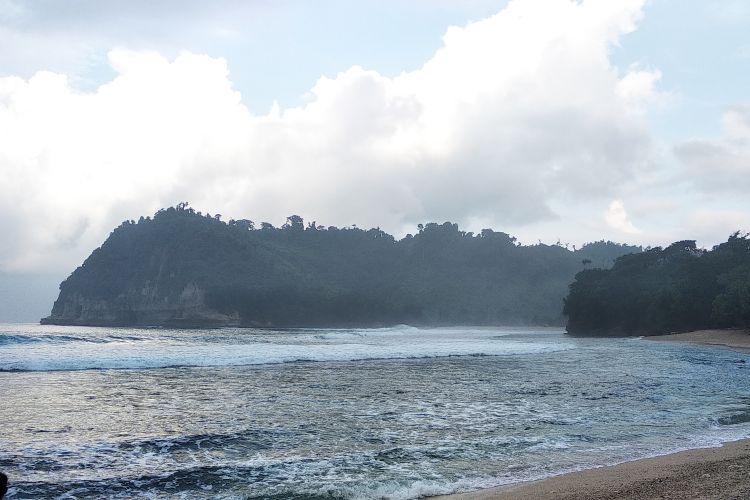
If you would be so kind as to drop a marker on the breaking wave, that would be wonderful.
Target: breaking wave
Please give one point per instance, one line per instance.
(58, 350)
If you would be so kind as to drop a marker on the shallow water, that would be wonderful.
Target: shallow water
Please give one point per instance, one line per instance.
(386, 413)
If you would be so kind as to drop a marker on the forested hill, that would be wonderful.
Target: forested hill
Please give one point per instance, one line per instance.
(182, 268)
(676, 289)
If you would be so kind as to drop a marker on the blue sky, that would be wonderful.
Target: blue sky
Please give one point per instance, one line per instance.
(549, 119)
(276, 50)
(703, 52)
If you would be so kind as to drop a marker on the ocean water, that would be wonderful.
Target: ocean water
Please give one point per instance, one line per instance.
(381, 413)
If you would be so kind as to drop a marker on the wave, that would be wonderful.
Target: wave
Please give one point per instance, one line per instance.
(67, 350)
(28, 339)
(268, 478)
(255, 475)
(225, 359)
(61, 339)
(89, 349)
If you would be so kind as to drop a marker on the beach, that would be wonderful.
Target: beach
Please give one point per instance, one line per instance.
(709, 473)
(705, 473)
(733, 339)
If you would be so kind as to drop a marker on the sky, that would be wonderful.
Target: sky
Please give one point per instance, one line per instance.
(552, 120)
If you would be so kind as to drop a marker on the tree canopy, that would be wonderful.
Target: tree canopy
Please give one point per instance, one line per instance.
(298, 275)
(675, 289)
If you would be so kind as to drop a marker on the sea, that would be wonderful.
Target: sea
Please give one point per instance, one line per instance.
(391, 413)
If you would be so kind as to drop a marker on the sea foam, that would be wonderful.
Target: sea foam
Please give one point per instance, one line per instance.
(38, 349)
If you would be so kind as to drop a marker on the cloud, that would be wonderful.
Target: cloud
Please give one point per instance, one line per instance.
(713, 225)
(617, 218)
(721, 165)
(512, 114)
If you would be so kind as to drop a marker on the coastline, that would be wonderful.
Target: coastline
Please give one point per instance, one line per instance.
(703, 473)
(737, 339)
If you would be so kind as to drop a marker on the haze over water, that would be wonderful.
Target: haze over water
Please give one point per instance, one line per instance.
(385, 413)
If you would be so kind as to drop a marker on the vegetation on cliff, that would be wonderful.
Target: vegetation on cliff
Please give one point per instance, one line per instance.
(153, 270)
(675, 289)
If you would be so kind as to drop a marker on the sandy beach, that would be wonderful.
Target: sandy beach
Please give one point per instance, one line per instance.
(707, 473)
(733, 339)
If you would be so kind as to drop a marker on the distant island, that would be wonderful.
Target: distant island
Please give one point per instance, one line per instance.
(181, 268)
(676, 289)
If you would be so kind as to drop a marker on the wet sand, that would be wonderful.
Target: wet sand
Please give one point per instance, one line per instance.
(708, 473)
(733, 339)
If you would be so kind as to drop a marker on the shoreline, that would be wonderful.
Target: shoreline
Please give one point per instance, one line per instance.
(736, 339)
(703, 473)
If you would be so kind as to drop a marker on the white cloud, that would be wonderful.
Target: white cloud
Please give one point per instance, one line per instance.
(721, 165)
(512, 113)
(715, 225)
(638, 89)
(617, 218)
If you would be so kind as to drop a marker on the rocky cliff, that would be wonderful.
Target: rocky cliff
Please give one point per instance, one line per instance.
(144, 307)
(152, 273)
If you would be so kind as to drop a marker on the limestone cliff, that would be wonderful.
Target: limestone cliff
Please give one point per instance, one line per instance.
(144, 307)
(152, 273)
